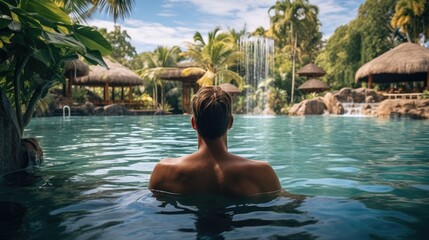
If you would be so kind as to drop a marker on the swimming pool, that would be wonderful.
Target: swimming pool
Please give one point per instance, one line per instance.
(354, 178)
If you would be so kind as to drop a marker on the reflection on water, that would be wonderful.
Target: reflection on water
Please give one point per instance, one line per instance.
(351, 178)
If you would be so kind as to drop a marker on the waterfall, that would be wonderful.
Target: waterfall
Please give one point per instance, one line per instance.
(258, 67)
(359, 109)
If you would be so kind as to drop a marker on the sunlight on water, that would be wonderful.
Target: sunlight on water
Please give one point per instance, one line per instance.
(351, 178)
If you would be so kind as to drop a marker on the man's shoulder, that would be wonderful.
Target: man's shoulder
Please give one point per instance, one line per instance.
(249, 164)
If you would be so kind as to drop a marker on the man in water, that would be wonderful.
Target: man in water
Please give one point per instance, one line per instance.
(212, 169)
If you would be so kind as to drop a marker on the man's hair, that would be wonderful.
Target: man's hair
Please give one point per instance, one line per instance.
(211, 108)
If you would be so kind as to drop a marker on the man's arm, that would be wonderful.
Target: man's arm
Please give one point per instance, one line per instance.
(155, 182)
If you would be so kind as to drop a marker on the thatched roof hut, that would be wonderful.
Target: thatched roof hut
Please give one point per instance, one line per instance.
(313, 85)
(407, 62)
(311, 70)
(230, 88)
(116, 76)
(76, 68)
(175, 73)
(189, 83)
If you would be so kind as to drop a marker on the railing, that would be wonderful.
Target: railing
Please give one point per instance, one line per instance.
(402, 95)
(66, 107)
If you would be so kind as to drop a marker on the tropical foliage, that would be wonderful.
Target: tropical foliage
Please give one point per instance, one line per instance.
(37, 37)
(122, 50)
(215, 56)
(358, 42)
(153, 64)
(412, 18)
(81, 10)
(296, 29)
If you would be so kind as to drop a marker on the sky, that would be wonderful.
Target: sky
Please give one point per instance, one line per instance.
(174, 22)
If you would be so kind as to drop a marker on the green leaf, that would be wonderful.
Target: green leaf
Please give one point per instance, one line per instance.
(92, 39)
(62, 40)
(5, 21)
(95, 57)
(46, 9)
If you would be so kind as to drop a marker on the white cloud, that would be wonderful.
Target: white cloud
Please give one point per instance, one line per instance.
(146, 36)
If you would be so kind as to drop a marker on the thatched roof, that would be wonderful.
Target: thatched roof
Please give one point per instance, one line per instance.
(175, 74)
(80, 67)
(116, 75)
(311, 70)
(313, 85)
(406, 62)
(229, 88)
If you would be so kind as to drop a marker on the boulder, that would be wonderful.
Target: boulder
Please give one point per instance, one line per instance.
(360, 95)
(313, 106)
(99, 111)
(31, 152)
(332, 104)
(416, 109)
(115, 110)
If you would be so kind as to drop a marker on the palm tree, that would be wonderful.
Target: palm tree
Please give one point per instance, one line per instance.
(215, 57)
(81, 10)
(298, 17)
(411, 17)
(155, 62)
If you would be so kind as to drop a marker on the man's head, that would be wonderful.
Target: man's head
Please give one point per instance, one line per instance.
(211, 109)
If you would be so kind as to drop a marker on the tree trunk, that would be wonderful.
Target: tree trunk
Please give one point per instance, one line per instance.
(293, 68)
(15, 153)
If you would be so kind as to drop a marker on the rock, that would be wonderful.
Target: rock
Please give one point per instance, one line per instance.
(313, 106)
(31, 152)
(369, 99)
(360, 95)
(115, 109)
(99, 111)
(416, 109)
(332, 104)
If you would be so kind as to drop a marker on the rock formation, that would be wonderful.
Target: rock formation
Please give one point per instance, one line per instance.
(416, 109)
(313, 106)
(366, 99)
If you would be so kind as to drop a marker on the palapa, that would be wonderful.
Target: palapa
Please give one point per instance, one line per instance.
(117, 76)
(76, 68)
(313, 85)
(189, 82)
(311, 70)
(229, 88)
(406, 62)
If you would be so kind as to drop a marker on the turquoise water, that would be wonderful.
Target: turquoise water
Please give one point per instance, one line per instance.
(352, 178)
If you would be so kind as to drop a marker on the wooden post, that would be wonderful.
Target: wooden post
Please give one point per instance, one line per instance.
(130, 94)
(122, 93)
(113, 93)
(183, 96)
(106, 93)
(427, 82)
(69, 85)
(370, 81)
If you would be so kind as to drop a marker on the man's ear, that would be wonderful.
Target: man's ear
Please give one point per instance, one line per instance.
(231, 122)
(193, 123)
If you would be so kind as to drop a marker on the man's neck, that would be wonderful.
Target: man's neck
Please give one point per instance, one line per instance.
(215, 147)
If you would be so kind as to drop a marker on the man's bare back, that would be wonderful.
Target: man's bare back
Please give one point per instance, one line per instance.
(212, 169)
(221, 172)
